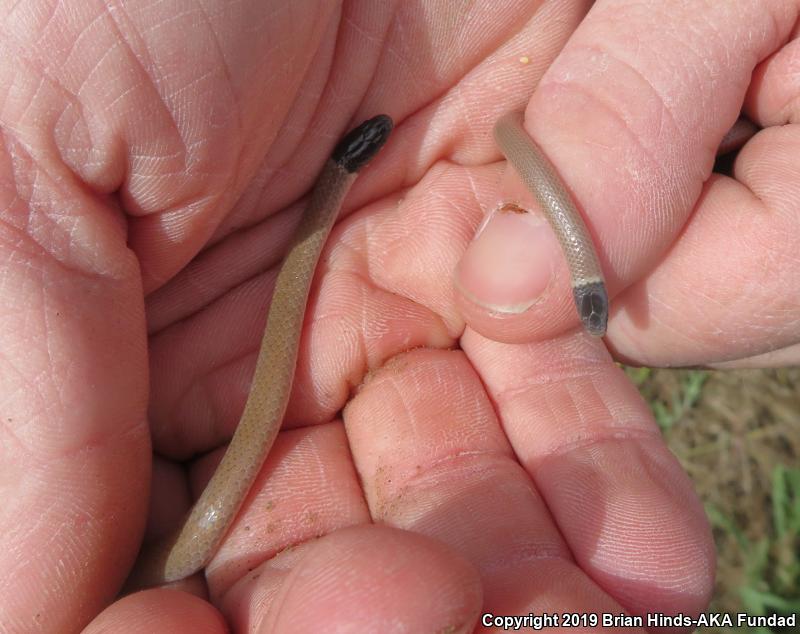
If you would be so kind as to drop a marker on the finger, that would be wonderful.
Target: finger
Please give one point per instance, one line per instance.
(730, 287)
(773, 96)
(361, 579)
(742, 243)
(781, 358)
(620, 121)
(433, 459)
(619, 497)
(158, 611)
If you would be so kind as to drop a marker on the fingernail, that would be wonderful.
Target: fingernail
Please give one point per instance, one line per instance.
(508, 264)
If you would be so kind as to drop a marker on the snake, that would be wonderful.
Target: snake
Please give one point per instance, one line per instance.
(190, 547)
(543, 182)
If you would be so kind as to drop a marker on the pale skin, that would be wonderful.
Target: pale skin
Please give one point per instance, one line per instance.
(508, 477)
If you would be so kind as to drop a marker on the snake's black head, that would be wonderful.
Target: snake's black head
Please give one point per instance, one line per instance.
(592, 302)
(358, 146)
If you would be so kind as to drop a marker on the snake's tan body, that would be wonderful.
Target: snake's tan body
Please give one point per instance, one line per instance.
(189, 549)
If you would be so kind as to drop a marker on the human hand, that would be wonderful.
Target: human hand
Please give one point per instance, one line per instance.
(423, 432)
(702, 265)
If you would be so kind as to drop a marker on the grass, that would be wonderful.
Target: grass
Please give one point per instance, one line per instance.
(737, 434)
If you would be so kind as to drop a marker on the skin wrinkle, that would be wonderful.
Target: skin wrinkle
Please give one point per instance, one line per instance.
(194, 394)
(556, 405)
(225, 67)
(98, 66)
(612, 435)
(553, 377)
(675, 331)
(606, 53)
(344, 244)
(625, 411)
(142, 192)
(574, 87)
(133, 57)
(524, 24)
(589, 437)
(767, 257)
(388, 505)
